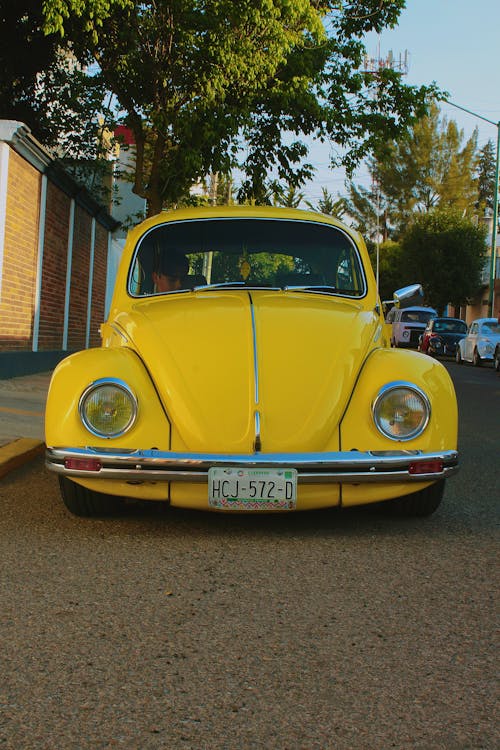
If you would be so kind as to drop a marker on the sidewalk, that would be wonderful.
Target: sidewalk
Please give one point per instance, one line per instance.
(22, 413)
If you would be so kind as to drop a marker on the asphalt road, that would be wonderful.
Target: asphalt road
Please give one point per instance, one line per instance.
(347, 630)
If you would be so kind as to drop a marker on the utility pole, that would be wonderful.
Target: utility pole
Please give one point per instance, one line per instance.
(373, 66)
(493, 259)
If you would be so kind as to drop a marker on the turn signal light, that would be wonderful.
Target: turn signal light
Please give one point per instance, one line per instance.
(426, 467)
(83, 464)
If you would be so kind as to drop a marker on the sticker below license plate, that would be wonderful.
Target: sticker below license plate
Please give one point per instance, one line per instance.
(235, 488)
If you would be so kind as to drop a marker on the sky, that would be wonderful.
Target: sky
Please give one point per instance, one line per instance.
(455, 43)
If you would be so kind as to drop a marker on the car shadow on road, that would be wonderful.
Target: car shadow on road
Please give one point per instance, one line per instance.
(358, 522)
(44, 507)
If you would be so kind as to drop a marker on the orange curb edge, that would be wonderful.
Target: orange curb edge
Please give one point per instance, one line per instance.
(18, 452)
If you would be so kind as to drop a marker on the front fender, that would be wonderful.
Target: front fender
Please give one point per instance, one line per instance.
(358, 430)
(359, 433)
(63, 426)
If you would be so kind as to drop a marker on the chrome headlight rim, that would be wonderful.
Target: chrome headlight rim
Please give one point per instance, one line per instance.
(412, 388)
(95, 385)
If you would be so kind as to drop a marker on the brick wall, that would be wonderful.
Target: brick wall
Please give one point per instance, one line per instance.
(24, 329)
(80, 272)
(19, 255)
(55, 251)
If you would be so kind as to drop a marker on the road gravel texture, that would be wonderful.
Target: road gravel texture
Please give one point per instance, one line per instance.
(181, 630)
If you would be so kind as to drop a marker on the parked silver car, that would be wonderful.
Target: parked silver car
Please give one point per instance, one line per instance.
(479, 345)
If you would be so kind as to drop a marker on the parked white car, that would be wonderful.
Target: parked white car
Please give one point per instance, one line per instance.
(408, 324)
(479, 345)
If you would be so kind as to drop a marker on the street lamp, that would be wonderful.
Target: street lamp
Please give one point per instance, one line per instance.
(491, 295)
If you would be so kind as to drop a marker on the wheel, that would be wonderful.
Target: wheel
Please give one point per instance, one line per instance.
(458, 356)
(422, 503)
(496, 361)
(86, 503)
(476, 359)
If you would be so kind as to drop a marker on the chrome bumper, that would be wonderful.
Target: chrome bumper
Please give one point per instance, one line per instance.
(350, 467)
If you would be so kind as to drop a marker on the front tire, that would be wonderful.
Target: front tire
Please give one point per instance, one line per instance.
(419, 504)
(86, 503)
(458, 356)
(476, 359)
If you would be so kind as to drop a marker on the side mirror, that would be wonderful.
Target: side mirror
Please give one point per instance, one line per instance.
(408, 296)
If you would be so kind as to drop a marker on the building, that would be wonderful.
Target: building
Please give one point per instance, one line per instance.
(56, 253)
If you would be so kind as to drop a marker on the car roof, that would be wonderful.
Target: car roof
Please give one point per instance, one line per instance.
(459, 320)
(241, 212)
(417, 307)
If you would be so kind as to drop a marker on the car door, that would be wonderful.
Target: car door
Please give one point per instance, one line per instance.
(470, 341)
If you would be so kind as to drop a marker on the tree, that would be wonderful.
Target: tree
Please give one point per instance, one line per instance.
(445, 251)
(393, 271)
(196, 78)
(25, 50)
(43, 86)
(289, 197)
(369, 209)
(486, 176)
(427, 167)
(328, 205)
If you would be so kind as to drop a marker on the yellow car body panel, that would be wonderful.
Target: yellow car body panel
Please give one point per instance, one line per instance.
(74, 374)
(245, 372)
(358, 431)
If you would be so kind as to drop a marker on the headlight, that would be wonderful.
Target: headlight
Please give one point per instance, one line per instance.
(401, 411)
(108, 408)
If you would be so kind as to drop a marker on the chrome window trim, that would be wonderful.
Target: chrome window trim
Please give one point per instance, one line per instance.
(176, 222)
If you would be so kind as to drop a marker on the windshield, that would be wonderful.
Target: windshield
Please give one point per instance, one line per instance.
(416, 316)
(491, 328)
(255, 253)
(450, 326)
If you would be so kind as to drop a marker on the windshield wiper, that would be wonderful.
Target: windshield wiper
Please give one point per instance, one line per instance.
(322, 288)
(232, 284)
(219, 285)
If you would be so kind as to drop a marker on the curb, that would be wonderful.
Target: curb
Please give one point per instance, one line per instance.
(19, 452)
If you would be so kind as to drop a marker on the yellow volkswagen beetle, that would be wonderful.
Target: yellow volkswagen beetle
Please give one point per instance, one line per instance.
(245, 366)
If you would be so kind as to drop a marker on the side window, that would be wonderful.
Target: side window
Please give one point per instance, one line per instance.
(345, 271)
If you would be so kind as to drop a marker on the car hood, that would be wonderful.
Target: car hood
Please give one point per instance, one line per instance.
(448, 338)
(217, 357)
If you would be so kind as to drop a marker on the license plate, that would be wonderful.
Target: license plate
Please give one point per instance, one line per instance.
(252, 489)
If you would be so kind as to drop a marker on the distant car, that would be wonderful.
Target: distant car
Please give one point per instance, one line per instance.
(441, 336)
(408, 324)
(481, 342)
(245, 366)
